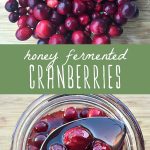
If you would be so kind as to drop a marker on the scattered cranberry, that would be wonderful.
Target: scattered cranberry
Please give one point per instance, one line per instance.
(99, 145)
(64, 7)
(77, 137)
(78, 37)
(23, 3)
(57, 147)
(22, 11)
(13, 17)
(11, 5)
(57, 39)
(70, 114)
(75, 21)
(98, 26)
(24, 33)
(95, 112)
(128, 10)
(44, 29)
(101, 39)
(32, 21)
(71, 23)
(78, 7)
(115, 30)
(41, 12)
(22, 22)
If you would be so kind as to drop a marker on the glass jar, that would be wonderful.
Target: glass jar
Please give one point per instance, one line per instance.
(47, 104)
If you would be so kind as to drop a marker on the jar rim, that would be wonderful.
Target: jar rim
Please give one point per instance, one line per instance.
(108, 97)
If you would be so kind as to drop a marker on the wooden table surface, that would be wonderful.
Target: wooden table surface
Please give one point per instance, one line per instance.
(12, 106)
(136, 31)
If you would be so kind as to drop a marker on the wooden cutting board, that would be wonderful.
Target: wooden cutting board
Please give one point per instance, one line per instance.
(136, 31)
(12, 106)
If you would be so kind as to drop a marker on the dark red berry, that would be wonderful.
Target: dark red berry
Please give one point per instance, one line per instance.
(57, 39)
(119, 19)
(78, 37)
(78, 7)
(110, 8)
(22, 22)
(115, 31)
(70, 114)
(56, 18)
(38, 140)
(95, 112)
(24, 33)
(41, 12)
(84, 19)
(11, 5)
(41, 126)
(23, 3)
(62, 29)
(32, 3)
(64, 7)
(13, 17)
(98, 26)
(71, 23)
(22, 11)
(84, 113)
(32, 21)
(77, 138)
(44, 29)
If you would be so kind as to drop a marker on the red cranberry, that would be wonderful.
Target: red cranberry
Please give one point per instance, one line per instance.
(32, 3)
(70, 114)
(22, 22)
(23, 3)
(71, 23)
(78, 37)
(128, 10)
(57, 39)
(98, 26)
(38, 140)
(11, 5)
(32, 21)
(62, 29)
(110, 8)
(99, 145)
(90, 5)
(44, 29)
(95, 112)
(115, 30)
(52, 3)
(84, 19)
(24, 33)
(56, 18)
(78, 7)
(64, 7)
(77, 138)
(41, 12)
(84, 113)
(13, 17)
(57, 147)
(41, 126)
(98, 7)
(119, 19)
(22, 11)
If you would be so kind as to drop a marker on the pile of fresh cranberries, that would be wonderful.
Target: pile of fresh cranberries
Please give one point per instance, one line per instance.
(79, 134)
(70, 21)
